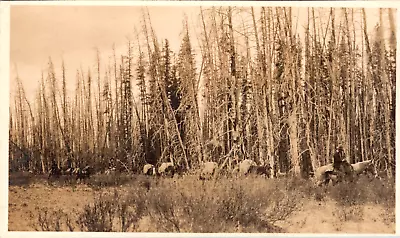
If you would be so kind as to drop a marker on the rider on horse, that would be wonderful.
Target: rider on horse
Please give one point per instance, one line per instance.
(340, 165)
(338, 158)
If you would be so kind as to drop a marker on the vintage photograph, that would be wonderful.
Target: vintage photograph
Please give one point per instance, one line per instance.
(202, 119)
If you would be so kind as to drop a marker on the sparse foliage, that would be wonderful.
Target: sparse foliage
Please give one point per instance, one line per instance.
(252, 86)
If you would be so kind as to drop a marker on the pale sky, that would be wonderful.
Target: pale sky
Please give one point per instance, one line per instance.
(73, 32)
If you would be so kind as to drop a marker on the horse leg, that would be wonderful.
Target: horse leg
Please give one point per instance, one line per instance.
(327, 179)
(336, 178)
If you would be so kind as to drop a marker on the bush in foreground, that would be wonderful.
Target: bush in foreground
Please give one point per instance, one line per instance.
(186, 205)
(364, 191)
(250, 204)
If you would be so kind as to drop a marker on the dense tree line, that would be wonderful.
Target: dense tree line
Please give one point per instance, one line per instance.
(256, 89)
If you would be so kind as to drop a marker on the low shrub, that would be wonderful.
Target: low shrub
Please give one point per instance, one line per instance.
(109, 180)
(364, 191)
(53, 220)
(223, 205)
(249, 204)
(98, 217)
(112, 213)
(187, 205)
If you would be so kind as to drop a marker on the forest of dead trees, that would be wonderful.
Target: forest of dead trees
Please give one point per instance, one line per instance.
(256, 88)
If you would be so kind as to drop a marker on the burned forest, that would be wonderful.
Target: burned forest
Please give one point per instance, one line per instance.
(234, 130)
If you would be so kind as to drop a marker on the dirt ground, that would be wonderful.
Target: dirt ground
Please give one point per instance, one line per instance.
(327, 217)
(25, 202)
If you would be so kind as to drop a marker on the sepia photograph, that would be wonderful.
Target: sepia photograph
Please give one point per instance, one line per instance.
(200, 118)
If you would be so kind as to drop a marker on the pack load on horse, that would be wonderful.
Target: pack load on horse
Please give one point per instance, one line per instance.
(208, 170)
(167, 169)
(84, 173)
(149, 169)
(364, 167)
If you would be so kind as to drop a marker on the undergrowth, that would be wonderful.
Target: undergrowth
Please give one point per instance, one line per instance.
(251, 204)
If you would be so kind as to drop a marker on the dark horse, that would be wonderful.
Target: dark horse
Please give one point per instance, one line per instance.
(54, 172)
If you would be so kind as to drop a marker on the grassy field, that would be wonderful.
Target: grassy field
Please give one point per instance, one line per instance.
(136, 203)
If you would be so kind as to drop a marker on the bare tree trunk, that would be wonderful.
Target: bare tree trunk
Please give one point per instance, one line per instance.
(386, 97)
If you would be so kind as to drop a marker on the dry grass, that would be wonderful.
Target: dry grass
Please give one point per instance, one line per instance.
(251, 204)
